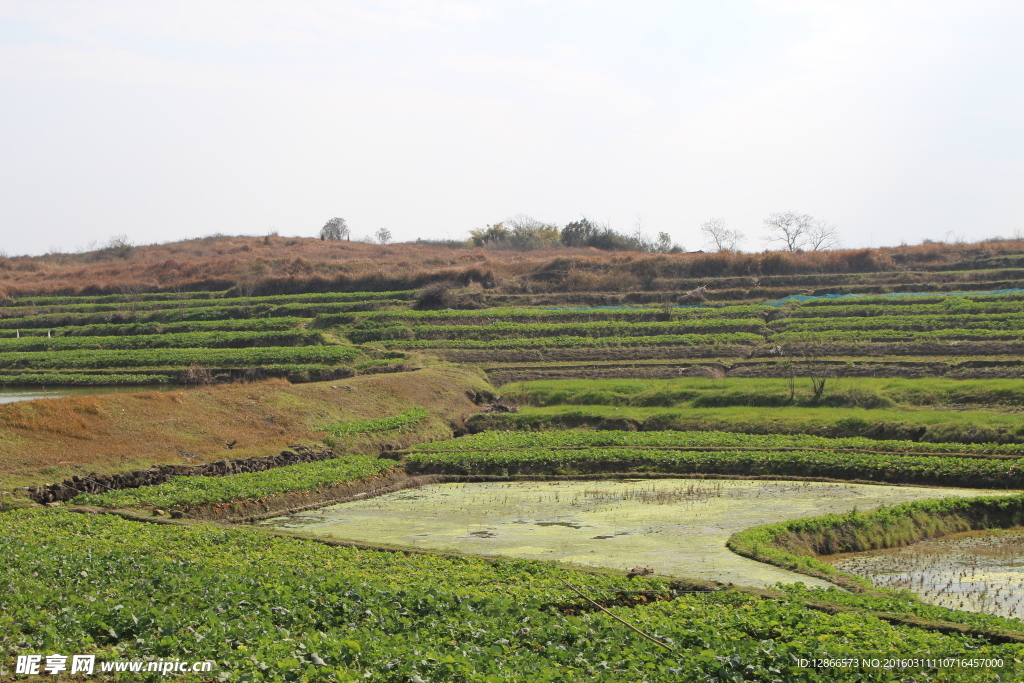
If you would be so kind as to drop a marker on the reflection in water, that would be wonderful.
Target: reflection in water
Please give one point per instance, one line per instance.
(676, 526)
(976, 571)
(14, 394)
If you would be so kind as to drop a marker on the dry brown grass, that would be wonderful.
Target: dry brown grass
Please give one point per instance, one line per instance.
(286, 265)
(49, 440)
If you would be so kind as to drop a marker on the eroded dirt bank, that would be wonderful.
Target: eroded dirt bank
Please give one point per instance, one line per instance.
(52, 440)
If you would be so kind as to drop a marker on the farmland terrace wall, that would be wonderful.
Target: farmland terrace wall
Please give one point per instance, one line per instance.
(101, 483)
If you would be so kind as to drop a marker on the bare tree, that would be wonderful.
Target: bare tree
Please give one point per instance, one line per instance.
(720, 236)
(132, 294)
(181, 297)
(788, 227)
(383, 236)
(335, 229)
(822, 235)
(246, 288)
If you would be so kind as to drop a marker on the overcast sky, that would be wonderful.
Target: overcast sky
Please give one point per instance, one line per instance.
(898, 120)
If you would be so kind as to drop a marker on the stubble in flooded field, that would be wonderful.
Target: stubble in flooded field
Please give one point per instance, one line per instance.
(676, 527)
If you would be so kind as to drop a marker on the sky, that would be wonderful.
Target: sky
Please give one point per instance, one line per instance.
(897, 120)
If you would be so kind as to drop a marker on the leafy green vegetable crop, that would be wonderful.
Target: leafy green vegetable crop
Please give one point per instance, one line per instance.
(498, 440)
(189, 491)
(262, 606)
(529, 456)
(380, 424)
(178, 357)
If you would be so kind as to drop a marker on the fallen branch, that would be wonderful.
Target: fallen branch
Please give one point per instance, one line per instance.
(621, 621)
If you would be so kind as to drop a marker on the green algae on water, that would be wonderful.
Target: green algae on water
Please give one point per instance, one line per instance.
(678, 527)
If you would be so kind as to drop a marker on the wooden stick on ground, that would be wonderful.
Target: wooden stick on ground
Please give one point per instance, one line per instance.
(621, 621)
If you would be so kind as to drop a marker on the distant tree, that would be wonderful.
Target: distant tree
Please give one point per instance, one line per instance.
(383, 236)
(335, 229)
(529, 233)
(588, 233)
(580, 233)
(520, 232)
(665, 245)
(492, 233)
(789, 227)
(823, 235)
(119, 245)
(720, 236)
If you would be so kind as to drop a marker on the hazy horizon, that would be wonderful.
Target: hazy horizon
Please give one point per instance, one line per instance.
(898, 121)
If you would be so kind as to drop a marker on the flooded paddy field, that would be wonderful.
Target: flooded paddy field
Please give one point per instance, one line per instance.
(976, 571)
(677, 527)
(15, 394)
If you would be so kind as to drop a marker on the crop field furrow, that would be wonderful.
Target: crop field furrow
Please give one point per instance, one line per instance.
(730, 449)
(270, 608)
(574, 341)
(941, 471)
(176, 357)
(183, 340)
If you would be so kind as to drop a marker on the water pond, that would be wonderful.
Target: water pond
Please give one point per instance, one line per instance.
(675, 526)
(15, 394)
(976, 571)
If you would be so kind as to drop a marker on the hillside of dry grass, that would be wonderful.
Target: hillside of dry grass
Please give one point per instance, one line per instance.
(259, 265)
(50, 440)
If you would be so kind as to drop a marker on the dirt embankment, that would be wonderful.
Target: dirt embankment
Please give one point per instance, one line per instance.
(101, 483)
(52, 440)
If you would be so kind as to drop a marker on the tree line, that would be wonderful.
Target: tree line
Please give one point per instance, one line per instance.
(792, 230)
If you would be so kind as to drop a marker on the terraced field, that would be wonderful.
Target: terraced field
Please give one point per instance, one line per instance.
(76, 340)
(688, 368)
(961, 336)
(190, 338)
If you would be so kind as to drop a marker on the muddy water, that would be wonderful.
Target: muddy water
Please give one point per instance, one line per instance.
(677, 526)
(15, 394)
(977, 571)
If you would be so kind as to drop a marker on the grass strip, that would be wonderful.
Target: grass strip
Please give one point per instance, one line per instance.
(709, 440)
(380, 424)
(194, 491)
(570, 341)
(795, 544)
(907, 469)
(246, 357)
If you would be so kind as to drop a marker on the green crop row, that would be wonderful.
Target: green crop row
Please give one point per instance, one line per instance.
(585, 438)
(196, 491)
(935, 426)
(270, 608)
(248, 357)
(79, 379)
(571, 341)
(697, 392)
(913, 323)
(866, 310)
(105, 298)
(160, 302)
(496, 315)
(882, 467)
(516, 330)
(897, 335)
(255, 309)
(119, 329)
(380, 424)
(951, 300)
(182, 340)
